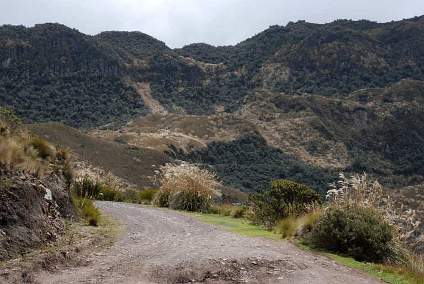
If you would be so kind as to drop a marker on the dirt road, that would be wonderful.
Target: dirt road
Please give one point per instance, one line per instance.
(161, 246)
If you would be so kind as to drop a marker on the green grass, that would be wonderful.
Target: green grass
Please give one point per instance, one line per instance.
(236, 225)
(386, 273)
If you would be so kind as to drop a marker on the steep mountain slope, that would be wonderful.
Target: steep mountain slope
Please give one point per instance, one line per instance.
(314, 98)
(50, 72)
(42, 63)
(135, 165)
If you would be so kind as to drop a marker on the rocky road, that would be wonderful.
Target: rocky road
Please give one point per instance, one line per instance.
(163, 246)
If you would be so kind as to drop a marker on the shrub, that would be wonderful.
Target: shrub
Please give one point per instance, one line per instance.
(232, 195)
(360, 232)
(68, 173)
(186, 187)
(128, 195)
(213, 210)
(361, 191)
(283, 199)
(146, 196)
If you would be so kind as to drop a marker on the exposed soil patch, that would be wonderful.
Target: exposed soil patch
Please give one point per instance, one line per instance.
(143, 89)
(71, 250)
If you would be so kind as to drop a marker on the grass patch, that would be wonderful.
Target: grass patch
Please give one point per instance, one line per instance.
(386, 273)
(86, 209)
(236, 225)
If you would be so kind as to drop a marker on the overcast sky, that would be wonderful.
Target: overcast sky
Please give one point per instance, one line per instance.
(180, 22)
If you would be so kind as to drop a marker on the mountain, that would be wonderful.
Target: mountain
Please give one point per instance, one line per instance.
(51, 72)
(302, 101)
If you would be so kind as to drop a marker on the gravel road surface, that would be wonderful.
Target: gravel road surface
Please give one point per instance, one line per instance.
(163, 246)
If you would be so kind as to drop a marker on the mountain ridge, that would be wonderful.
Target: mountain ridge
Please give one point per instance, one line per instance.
(342, 96)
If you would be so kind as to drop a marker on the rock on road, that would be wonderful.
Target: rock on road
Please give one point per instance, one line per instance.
(163, 246)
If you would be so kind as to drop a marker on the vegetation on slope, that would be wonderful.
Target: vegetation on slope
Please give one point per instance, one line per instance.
(248, 163)
(53, 73)
(133, 164)
(54, 66)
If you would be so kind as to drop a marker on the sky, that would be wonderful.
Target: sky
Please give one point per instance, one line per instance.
(216, 22)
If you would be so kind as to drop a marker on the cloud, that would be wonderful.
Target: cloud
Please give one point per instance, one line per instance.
(180, 22)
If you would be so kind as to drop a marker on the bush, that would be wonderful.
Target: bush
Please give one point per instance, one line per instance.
(285, 198)
(146, 196)
(356, 231)
(186, 187)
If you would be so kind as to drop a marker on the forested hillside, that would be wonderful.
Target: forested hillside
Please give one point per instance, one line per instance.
(342, 96)
(51, 72)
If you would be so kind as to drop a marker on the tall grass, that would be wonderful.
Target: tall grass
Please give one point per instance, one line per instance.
(20, 150)
(86, 209)
(297, 226)
(186, 187)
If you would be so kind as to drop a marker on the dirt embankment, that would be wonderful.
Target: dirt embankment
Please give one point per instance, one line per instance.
(162, 246)
(31, 211)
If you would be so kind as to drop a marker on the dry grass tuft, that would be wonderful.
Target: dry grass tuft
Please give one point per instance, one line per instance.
(186, 187)
(20, 150)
